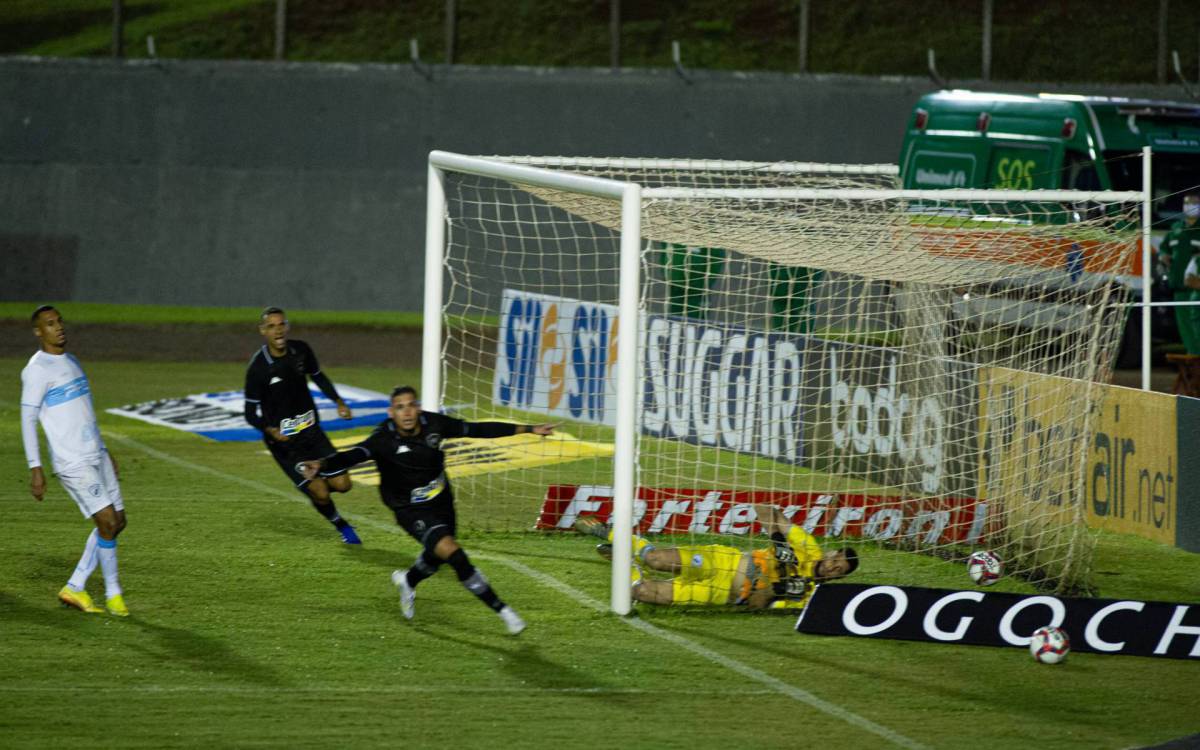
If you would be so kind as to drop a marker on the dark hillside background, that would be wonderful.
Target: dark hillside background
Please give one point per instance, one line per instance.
(1033, 40)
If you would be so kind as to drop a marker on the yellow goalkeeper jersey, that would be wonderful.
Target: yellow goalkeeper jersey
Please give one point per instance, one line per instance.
(807, 554)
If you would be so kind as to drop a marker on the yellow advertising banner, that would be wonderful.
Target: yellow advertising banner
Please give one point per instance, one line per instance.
(468, 456)
(1031, 428)
(1030, 431)
(1133, 465)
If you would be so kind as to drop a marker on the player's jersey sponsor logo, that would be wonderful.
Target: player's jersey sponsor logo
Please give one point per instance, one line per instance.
(429, 491)
(403, 449)
(298, 424)
(275, 379)
(67, 391)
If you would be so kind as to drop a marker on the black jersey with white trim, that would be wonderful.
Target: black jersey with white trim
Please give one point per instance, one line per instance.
(412, 468)
(277, 392)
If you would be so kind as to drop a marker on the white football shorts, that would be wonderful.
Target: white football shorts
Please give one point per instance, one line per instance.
(93, 486)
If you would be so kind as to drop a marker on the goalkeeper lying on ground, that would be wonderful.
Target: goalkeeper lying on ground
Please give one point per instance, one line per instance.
(781, 576)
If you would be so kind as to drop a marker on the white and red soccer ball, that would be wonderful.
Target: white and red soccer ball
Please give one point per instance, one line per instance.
(1050, 645)
(985, 567)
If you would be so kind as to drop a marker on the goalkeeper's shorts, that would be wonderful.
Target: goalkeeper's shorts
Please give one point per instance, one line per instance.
(707, 574)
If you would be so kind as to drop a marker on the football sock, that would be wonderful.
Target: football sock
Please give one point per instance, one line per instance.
(106, 550)
(474, 580)
(329, 510)
(425, 566)
(87, 563)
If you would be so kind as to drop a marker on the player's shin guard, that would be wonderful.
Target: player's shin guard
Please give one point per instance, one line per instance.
(106, 550)
(425, 566)
(87, 563)
(474, 580)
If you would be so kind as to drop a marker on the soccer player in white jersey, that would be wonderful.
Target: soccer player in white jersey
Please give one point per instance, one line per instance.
(54, 391)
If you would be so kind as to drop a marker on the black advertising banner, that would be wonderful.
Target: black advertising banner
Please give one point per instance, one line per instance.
(975, 617)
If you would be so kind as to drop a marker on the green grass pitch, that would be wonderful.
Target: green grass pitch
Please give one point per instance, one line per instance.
(253, 627)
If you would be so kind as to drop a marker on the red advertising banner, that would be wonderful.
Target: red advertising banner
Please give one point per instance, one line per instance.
(827, 514)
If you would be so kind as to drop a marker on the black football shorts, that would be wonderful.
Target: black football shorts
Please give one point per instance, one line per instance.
(309, 445)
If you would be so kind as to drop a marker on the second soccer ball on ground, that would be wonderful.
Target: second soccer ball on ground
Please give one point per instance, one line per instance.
(1050, 645)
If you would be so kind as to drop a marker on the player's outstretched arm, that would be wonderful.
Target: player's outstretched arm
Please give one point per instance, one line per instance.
(313, 369)
(337, 462)
(772, 519)
(504, 429)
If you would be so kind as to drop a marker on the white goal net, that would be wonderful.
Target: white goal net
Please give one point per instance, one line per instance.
(909, 373)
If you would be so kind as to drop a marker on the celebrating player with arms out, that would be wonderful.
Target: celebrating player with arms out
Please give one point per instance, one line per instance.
(279, 404)
(55, 391)
(407, 448)
(781, 576)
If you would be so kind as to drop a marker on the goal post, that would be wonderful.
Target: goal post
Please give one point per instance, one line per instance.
(630, 200)
(927, 388)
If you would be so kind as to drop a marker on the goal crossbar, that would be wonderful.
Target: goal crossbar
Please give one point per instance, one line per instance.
(860, 194)
(700, 165)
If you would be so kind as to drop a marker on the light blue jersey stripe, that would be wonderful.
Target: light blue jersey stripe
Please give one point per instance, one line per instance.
(67, 392)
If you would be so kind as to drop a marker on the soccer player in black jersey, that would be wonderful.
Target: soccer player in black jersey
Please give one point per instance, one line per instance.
(407, 448)
(279, 404)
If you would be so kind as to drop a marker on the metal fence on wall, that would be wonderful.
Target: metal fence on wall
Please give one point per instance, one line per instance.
(1167, 60)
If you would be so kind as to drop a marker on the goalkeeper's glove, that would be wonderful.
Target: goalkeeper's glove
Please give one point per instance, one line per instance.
(784, 554)
(794, 588)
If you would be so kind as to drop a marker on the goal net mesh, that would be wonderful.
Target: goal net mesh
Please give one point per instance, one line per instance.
(915, 378)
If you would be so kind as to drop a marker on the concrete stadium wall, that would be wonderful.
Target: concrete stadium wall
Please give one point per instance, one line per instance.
(233, 183)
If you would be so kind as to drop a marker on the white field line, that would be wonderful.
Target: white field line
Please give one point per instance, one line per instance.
(774, 684)
(345, 689)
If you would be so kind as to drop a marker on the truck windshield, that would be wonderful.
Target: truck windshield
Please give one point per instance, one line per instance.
(1173, 176)
(1079, 173)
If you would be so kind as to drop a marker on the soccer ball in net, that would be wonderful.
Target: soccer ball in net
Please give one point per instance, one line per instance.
(1049, 645)
(985, 567)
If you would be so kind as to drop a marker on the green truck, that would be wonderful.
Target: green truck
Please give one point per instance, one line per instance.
(968, 139)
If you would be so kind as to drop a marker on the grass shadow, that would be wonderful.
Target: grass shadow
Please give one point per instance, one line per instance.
(54, 614)
(524, 661)
(375, 557)
(201, 654)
